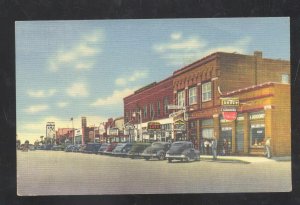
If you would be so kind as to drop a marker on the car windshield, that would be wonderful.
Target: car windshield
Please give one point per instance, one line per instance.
(178, 144)
(119, 146)
(158, 145)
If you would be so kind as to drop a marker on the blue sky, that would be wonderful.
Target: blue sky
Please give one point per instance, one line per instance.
(70, 69)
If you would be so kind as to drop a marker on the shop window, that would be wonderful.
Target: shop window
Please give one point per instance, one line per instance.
(166, 103)
(192, 96)
(207, 133)
(180, 98)
(145, 111)
(206, 92)
(158, 108)
(257, 135)
(207, 122)
(285, 78)
(151, 111)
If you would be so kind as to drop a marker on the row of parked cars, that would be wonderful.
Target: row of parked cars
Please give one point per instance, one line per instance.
(180, 150)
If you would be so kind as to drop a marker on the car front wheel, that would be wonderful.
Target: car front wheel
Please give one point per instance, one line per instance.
(161, 156)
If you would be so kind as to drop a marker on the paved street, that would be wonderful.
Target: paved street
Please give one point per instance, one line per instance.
(62, 173)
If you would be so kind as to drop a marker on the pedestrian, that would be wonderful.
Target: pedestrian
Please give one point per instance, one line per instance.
(225, 147)
(268, 148)
(214, 145)
(206, 145)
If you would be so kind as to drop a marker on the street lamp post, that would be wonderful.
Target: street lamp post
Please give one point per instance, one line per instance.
(140, 122)
(73, 131)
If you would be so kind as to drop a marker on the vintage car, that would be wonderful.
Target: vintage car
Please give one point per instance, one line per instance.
(92, 148)
(110, 148)
(103, 147)
(137, 149)
(156, 150)
(182, 150)
(122, 149)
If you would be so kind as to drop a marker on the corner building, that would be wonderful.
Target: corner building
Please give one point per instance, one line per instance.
(149, 104)
(200, 86)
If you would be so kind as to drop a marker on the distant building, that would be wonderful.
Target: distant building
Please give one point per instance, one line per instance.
(149, 105)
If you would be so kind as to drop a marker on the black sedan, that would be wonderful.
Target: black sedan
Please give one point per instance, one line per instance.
(156, 150)
(137, 149)
(122, 149)
(183, 150)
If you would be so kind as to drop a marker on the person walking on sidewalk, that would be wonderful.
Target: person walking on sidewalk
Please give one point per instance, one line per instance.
(268, 148)
(214, 145)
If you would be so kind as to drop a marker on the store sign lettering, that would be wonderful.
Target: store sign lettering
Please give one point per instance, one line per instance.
(257, 116)
(154, 126)
(230, 102)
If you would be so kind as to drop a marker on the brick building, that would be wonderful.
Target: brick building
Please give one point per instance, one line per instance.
(200, 86)
(149, 104)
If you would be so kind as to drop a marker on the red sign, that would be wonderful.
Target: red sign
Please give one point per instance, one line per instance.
(154, 126)
(229, 115)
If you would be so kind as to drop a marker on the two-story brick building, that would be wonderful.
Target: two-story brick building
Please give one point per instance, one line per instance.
(149, 104)
(200, 86)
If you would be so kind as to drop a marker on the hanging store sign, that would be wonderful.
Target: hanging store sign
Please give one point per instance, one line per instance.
(154, 126)
(230, 101)
(179, 125)
(230, 116)
(229, 108)
(174, 114)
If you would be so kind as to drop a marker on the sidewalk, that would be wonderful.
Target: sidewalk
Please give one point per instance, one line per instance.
(245, 159)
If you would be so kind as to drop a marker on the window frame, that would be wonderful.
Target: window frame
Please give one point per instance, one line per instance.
(194, 96)
(206, 94)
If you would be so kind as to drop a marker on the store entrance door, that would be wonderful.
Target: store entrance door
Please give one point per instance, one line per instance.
(225, 142)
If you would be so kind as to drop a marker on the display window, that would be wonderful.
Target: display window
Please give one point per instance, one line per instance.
(257, 135)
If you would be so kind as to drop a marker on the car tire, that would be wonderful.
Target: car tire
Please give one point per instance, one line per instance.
(187, 159)
(161, 156)
(170, 160)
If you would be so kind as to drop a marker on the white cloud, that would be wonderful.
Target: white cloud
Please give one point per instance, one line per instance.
(181, 51)
(115, 98)
(78, 89)
(36, 108)
(84, 66)
(41, 93)
(62, 104)
(134, 76)
(84, 50)
(176, 36)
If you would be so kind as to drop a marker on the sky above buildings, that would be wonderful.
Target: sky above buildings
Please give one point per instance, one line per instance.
(70, 69)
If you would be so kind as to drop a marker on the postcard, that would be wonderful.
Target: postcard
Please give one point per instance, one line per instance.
(153, 106)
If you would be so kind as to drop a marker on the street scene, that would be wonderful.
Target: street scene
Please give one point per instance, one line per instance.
(64, 173)
(153, 106)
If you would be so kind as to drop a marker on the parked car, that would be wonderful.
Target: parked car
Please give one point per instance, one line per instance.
(156, 150)
(69, 148)
(110, 148)
(122, 149)
(137, 149)
(92, 148)
(76, 148)
(82, 148)
(31, 147)
(103, 148)
(58, 148)
(182, 150)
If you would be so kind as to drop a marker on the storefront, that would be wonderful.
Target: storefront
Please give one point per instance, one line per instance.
(225, 139)
(257, 132)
